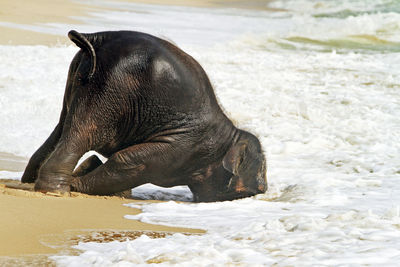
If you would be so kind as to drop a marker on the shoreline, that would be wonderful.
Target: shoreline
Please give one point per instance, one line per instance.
(252, 4)
(16, 14)
(45, 224)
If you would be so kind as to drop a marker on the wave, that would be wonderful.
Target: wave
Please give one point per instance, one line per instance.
(337, 8)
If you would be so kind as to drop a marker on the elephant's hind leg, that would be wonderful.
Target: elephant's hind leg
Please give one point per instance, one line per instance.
(87, 166)
(131, 167)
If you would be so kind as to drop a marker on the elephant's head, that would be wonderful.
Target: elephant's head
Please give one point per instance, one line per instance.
(246, 164)
(241, 172)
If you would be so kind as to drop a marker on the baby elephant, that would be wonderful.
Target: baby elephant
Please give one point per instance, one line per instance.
(150, 109)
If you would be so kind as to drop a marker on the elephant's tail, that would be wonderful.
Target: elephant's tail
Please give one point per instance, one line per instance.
(81, 40)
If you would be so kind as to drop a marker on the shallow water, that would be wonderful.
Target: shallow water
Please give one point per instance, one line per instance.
(318, 83)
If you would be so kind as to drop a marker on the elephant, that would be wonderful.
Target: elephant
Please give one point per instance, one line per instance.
(150, 109)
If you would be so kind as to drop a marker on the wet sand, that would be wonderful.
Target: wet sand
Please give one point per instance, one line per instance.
(34, 225)
(37, 223)
(12, 163)
(251, 4)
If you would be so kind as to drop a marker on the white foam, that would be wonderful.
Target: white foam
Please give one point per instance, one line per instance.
(10, 175)
(32, 82)
(329, 123)
(332, 6)
(149, 191)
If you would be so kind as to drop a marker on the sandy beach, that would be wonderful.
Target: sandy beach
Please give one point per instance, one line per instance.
(37, 223)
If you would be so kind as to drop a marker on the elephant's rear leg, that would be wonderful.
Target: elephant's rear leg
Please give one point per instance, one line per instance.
(87, 166)
(131, 167)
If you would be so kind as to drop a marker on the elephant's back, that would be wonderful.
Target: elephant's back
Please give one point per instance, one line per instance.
(155, 84)
(156, 68)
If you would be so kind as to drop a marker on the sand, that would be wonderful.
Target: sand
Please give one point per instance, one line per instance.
(34, 12)
(34, 223)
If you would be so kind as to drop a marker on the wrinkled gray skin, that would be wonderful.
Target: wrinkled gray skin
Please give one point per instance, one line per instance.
(150, 109)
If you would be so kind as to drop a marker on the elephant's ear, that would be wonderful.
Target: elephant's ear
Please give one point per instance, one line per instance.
(81, 40)
(234, 157)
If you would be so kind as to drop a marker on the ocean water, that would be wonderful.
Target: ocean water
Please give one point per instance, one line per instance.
(317, 81)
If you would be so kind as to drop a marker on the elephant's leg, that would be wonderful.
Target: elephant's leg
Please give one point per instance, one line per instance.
(39, 157)
(56, 173)
(87, 166)
(131, 167)
(31, 172)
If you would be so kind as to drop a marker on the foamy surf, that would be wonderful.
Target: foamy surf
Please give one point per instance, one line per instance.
(318, 85)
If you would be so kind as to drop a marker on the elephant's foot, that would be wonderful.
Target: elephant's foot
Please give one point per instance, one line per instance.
(28, 178)
(30, 173)
(53, 184)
